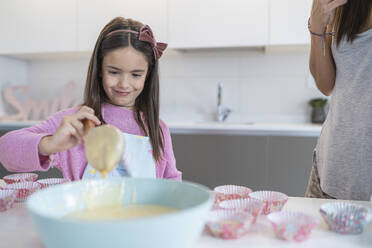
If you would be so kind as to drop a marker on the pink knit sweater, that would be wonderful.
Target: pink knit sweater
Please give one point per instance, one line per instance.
(19, 148)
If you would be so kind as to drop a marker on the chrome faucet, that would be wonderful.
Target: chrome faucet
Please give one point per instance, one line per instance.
(222, 113)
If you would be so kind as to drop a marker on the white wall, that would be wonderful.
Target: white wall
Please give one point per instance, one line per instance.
(47, 77)
(260, 86)
(12, 72)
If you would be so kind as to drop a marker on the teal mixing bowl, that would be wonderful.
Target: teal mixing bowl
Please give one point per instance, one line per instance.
(177, 229)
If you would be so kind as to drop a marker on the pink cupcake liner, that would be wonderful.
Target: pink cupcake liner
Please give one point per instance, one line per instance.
(228, 223)
(274, 201)
(252, 206)
(344, 217)
(7, 199)
(44, 183)
(230, 192)
(20, 177)
(292, 226)
(24, 189)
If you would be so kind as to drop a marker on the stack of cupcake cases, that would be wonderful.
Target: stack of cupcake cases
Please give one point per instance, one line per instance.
(24, 189)
(23, 184)
(7, 199)
(228, 223)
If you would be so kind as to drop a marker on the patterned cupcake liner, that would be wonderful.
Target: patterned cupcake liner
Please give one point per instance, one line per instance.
(292, 226)
(7, 199)
(20, 177)
(47, 182)
(228, 223)
(252, 206)
(24, 189)
(229, 192)
(274, 201)
(344, 217)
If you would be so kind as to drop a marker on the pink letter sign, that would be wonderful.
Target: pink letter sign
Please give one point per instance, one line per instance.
(38, 110)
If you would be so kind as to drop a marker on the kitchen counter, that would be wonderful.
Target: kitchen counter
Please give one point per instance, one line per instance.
(17, 231)
(216, 128)
(16, 124)
(255, 129)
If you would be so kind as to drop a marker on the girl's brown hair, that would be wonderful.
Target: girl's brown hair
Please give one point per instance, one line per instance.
(146, 105)
(351, 18)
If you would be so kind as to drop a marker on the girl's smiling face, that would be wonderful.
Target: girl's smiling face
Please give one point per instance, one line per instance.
(124, 73)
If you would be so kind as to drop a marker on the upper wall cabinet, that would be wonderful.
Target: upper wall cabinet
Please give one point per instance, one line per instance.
(42, 26)
(33, 26)
(211, 23)
(288, 22)
(93, 15)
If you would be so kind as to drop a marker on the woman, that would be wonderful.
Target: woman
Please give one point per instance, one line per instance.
(341, 63)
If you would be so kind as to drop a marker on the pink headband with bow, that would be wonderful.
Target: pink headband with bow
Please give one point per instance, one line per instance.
(145, 34)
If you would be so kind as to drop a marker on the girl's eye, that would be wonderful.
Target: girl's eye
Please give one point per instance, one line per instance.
(113, 72)
(136, 75)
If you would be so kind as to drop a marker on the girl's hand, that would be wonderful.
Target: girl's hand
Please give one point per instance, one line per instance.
(321, 13)
(69, 133)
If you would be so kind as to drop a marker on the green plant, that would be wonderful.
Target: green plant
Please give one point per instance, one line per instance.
(318, 102)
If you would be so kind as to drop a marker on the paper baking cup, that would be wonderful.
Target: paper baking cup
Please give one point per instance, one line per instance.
(344, 217)
(7, 199)
(274, 201)
(228, 223)
(20, 177)
(292, 226)
(230, 192)
(44, 183)
(24, 189)
(252, 206)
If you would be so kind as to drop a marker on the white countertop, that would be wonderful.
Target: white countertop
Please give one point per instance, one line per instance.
(259, 129)
(216, 128)
(17, 231)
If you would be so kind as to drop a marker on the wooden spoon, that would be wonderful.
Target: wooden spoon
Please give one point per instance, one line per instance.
(104, 146)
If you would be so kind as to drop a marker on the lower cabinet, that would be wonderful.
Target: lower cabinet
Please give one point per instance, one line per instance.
(259, 162)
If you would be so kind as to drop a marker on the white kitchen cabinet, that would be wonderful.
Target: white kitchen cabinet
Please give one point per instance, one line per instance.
(34, 26)
(93, 15)
(210, 23)
(288, 22)
(40, 26)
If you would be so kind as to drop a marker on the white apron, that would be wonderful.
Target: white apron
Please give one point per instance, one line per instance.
(137, 157)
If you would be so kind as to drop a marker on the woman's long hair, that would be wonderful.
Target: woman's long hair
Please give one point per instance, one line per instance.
(349, 19)
(147, 103)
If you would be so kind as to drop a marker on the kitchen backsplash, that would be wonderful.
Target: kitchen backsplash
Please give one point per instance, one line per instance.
(12, 73)
(259, 86)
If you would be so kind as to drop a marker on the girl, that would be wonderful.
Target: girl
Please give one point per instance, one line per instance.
(341, 63)
(122, 89)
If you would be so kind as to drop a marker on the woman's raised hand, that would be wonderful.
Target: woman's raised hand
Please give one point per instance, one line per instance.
(69, 133)
(321, 13)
